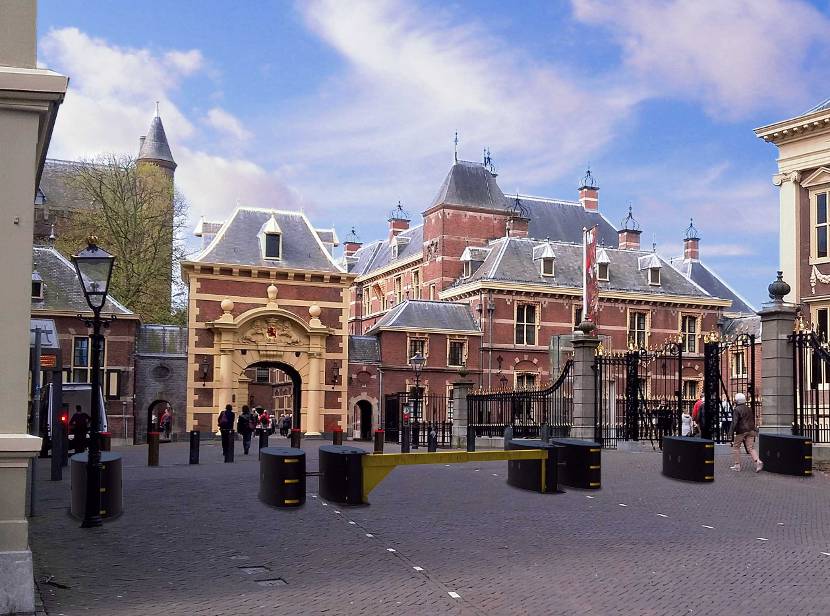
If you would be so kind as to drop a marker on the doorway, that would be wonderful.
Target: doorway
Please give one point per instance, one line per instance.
(154, 412)
(277, 387)
(364, 410)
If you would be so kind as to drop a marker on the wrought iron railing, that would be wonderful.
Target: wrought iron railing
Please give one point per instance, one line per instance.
(811, 372)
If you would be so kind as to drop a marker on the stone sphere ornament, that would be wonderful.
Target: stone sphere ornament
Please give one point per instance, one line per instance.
(272, 293)
(227, 305)
(314, 311)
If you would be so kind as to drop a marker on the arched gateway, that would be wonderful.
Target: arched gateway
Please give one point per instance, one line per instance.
(265, 291)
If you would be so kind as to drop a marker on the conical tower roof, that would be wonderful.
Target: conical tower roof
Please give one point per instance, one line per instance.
(154, 146)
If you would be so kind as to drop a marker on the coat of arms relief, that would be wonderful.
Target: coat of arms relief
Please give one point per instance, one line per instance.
(271, 331)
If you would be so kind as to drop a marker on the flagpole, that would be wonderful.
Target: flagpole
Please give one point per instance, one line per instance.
(584, 274)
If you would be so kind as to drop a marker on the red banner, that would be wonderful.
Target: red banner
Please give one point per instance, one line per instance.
(590, 293)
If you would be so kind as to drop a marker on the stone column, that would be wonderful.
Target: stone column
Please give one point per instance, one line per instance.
(777, 384)
(584, 387)
(313, 419)
(225, 381)
(460, 391)
(789, 230)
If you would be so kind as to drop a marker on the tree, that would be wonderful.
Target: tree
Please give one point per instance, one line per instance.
(137, 215)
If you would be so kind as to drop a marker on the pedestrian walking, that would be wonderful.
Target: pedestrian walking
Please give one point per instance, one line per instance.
(685, 423)
(78, 427)
(286, 425)
(265, 421)
(725, 416)
(226, 418)
(166, 423)
(742, 431)
(698, 411)
(246, 426)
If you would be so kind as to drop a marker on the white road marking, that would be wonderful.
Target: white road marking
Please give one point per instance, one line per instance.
(447, 465)
(390, 549)
(337, 512)
(707, 526)
(622, 505)
(454, 594)
(325, 504)
(662, 515)
(780, 524)
(762, 539)
(313, 496)
(369, 535)
(826, 553)
(495, 474)
(478, 469)
(589, 496)
(418, 568)
(351, 521)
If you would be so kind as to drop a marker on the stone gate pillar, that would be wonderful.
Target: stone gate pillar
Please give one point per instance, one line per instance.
(584, 386)
(777, 378)
(460, 391)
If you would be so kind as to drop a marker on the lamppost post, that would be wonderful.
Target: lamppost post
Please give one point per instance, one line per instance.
(93, 266)
(417, 362)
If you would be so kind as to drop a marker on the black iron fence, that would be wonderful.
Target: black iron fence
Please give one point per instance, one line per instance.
(428, 412)
(811, 371)
(526, 410)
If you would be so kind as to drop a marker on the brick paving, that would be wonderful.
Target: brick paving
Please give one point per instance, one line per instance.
(444, 540)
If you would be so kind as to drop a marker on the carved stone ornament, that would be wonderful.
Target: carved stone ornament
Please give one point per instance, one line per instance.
(792, 176)
(271, 330)
(817, 276)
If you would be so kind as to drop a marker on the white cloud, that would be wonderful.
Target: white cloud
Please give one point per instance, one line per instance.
(111, 101)
(733, 57)
(227, 123)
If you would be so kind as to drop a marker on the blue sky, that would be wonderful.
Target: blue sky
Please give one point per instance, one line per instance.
(344, 108)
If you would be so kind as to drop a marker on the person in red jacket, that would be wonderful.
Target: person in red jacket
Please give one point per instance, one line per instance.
(696, 416)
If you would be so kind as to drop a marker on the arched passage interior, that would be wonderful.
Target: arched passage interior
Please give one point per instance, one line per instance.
(296, 386)
(363, 414)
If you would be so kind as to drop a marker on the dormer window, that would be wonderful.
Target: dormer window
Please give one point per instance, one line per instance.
(468, 269)
(547, 266)
(37, 285)
(546, 258)
(602, 272)
(270, 237)
(654, 276)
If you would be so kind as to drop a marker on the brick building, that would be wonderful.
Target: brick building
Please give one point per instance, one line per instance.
(265, 292)
(57, 295)
(514, 262)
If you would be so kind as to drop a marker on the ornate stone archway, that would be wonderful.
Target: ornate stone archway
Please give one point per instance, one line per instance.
(270, 334)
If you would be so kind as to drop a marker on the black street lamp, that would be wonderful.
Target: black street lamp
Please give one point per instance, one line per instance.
(94, 268)
(417, 362)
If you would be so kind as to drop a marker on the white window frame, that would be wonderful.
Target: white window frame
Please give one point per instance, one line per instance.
(398, 286)
(548, 271)
(463, 343)
(633, 338)
(600, 277)
(654, 276)
(414, 338)
(88, 367)
(265, 246)
(523, 376)
(815, 225)
(416, 284)
(527, 326)
(688, 337)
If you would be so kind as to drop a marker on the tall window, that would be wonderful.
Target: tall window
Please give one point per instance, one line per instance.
(525, 380)
(688, 327)
(822, 323)
(416, 284)
(822, 225)
(398, 289)
(526, 324)
(637, 329)
(272, 245)
(432, 291)
(456, 355)
(654, 276)
(417, 346)
(577, 315)
(690, 390)
(602, 271)
(82, 359)
(366, 304)
(739, 364)
(547, 267)
(468, 269)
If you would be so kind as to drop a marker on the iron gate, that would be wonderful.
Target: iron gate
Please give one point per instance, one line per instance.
(427, 412)
(526, 410)
(811, 371)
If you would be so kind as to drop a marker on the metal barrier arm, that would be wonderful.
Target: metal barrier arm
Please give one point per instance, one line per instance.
(377, 466)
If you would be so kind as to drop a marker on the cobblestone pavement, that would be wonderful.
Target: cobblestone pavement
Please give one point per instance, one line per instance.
(439, 540)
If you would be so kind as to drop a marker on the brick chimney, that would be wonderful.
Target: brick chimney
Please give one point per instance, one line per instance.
(589, 192)
(691, 243)
(398, 221)
(629, 233)
(352, 243)
(517, 226)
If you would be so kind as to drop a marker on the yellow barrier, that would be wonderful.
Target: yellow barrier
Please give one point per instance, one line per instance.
(376, 466)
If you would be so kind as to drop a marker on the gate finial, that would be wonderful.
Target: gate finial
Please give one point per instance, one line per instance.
(778, 289)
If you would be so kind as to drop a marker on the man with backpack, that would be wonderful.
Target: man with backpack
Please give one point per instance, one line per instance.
(78, 427)
(246, 426)
(226, 429)
(743, 431)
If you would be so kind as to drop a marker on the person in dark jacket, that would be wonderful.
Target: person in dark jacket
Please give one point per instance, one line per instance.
(742, 431)
(246, 426)
(226, 418)
(78, 427)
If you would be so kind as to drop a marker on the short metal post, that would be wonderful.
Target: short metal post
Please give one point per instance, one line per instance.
(544, 433)
(405, 438)
(263, 440)
(106, 441)
(231, 444)
(379, 436)
(416, 431)
(508, 436)
(471, 438)
(337, 436)
(296, 438)
(432, 440)
(152, 449)
(195, 437)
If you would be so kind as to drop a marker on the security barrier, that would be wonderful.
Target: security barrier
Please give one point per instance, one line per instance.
(580, 463)
(536, 475)
(688, 458)
(282, 478)
(786, 454)
(112, 502)
(341, 474)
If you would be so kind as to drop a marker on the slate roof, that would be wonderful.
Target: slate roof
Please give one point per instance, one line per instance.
(379, 254)
(743, 325)
(471, 185)
(511, 260)
(704, 277)
(428, 315)
(155, 146)
(236, 243)
(328, 236)
(61, 290)
(364, 350)
(58, 192)
(563, 221)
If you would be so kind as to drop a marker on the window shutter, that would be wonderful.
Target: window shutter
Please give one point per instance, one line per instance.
(113, 385)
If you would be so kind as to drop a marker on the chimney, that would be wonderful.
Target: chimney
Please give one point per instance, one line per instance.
(398, 221)
(629, 233)
(351, 244)
(589, 192)
(691, 243)
(517, 226)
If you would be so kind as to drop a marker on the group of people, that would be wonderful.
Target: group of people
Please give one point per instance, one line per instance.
(737, 423)
(250, 421)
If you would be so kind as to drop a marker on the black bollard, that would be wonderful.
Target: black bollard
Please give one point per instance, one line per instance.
(106, 441)
(379, 436)
(337, 436)
(152, 449)
(416, 433)
(231, 443)
(195, 435)
(544, 433)
(405, 438)
(508, 436)
(263, 441)
(296, 438)
(471, 438)
(432, 440)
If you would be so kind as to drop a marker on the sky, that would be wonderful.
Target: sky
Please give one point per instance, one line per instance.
(343, 108)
